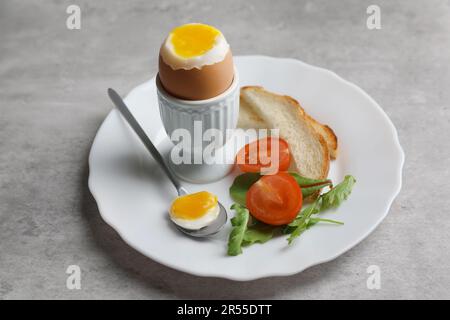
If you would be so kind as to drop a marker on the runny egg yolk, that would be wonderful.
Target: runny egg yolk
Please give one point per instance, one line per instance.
(193, 206)
(192, 40)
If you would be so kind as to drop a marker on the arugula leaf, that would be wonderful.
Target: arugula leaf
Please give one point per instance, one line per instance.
(288, 229)
(337, 195)
(239, 223)
(310, 186)
(310, 210)
(313, 221)
(301, 223)
(303, 181)
(331, 199)
(240, 186)
(259, 233)
(244, 235)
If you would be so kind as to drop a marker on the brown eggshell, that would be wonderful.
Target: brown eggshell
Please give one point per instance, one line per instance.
(197, 84)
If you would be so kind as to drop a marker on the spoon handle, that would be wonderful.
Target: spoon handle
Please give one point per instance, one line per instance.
(117, 100)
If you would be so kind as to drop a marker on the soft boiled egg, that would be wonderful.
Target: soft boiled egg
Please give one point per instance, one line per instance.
(195, 211)
(195, 62)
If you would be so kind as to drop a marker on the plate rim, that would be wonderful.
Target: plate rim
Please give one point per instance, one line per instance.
(398, 181)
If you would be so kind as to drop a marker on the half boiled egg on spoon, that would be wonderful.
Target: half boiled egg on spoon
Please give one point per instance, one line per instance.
(198, 214)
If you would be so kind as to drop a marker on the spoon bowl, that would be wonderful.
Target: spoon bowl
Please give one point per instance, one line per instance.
(210, 229)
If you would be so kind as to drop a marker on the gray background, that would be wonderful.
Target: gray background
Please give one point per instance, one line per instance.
(53, 100)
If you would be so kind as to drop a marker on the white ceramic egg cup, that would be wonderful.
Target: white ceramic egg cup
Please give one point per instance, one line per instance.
(197, 116)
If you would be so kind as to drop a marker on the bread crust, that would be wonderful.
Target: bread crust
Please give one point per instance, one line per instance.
(327, 133)
(324, 130)
(326, 155)
(325, 165)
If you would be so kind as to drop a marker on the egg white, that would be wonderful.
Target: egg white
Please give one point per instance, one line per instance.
(216, 54)
(196, 224)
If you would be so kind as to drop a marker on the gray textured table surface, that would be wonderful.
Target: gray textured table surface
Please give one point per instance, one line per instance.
(53, 99)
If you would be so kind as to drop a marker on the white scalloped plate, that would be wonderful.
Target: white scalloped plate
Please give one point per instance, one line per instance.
(133, 194)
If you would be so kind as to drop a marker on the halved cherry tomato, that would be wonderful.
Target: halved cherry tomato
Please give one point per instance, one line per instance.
(275, 199)
(257, 155)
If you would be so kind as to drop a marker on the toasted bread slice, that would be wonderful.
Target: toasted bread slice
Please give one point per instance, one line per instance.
(309, 149)
(327, 133)
(249, 119)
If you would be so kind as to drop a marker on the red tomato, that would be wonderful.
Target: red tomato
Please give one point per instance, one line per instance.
(257, 155)
(275, 199)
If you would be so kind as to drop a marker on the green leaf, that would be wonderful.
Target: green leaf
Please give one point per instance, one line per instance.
(240, 186)
(310, 210)
(331, 199)
(239, 223)
(301, 223)
(313, 221)
(303, 181)
(337, 195)
(259, 233)
(288, 229)
(310, 186)
(244, 235)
